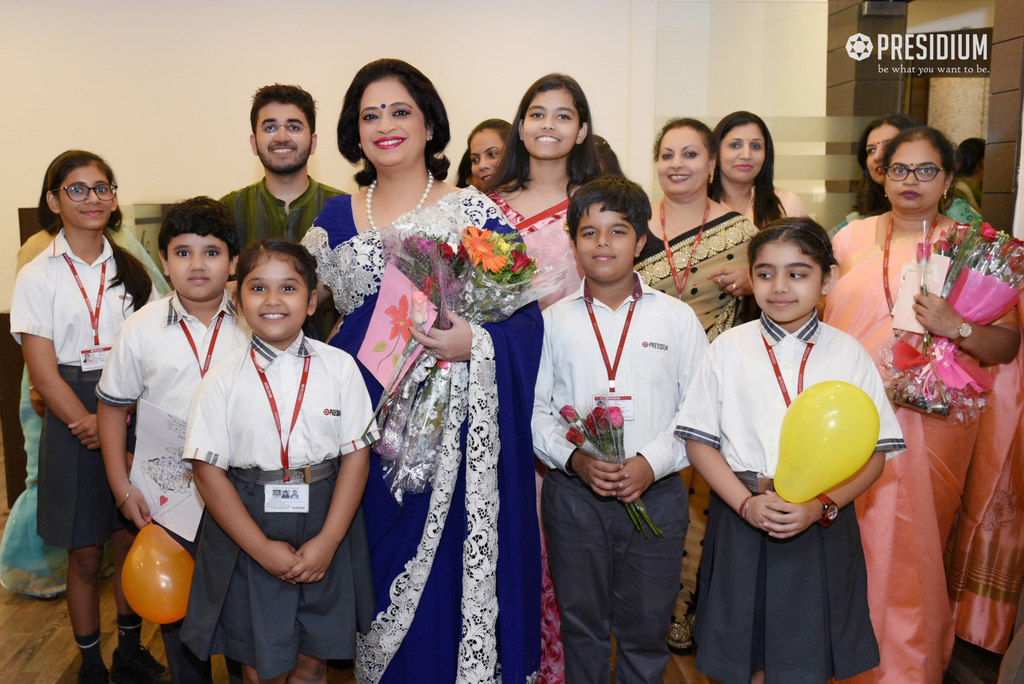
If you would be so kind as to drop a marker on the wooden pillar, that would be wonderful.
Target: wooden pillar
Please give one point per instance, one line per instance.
(1002, 149)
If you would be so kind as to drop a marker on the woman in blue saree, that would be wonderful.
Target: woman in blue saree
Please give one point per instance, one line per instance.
(449, 606)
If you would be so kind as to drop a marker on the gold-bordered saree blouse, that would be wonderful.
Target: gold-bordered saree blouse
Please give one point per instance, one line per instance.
(724, 244)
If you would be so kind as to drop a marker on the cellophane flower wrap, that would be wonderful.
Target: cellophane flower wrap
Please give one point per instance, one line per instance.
(483, 277)
(600, 434)
(986, 274)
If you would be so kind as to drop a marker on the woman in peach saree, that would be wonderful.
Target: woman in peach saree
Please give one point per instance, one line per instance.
(907, 513)
(985, 554)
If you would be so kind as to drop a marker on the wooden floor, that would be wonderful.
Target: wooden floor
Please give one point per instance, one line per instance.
(38, 646)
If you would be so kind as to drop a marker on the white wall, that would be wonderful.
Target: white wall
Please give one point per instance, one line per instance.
(162, 89)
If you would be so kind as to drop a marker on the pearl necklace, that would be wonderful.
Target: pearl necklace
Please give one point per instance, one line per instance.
(369, 201)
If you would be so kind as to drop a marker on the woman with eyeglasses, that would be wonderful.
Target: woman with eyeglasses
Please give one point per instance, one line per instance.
(906, 515)
(871, 199)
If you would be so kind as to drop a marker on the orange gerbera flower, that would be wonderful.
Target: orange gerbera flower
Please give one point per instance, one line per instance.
(481, 250)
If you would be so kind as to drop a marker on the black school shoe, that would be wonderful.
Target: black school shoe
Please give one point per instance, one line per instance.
(138, 667)
(96, 674)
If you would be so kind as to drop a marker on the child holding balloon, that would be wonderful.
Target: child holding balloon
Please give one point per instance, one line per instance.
(160, 355)
(280, 585)
(784, 584)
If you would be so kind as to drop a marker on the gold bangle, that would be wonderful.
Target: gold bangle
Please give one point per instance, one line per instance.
(126, 496)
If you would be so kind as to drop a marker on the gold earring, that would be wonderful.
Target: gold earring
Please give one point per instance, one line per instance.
(711, 177)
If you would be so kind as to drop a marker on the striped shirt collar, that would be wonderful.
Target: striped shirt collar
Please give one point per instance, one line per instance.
(176, 311)
(266, 354)
(774, 333)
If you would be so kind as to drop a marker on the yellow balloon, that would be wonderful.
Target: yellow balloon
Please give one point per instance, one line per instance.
(828, 434)
(157, 576)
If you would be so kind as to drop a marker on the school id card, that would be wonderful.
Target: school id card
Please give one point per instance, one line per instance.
(94, 358)
(286, 497)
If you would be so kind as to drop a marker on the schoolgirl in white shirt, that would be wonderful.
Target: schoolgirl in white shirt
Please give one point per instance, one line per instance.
(280, 585)
(68, 305)
(782, 597)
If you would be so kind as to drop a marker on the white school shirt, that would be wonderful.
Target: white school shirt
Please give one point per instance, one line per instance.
(735, 403)
(661, 355)
(48, 303)
(231, 424)
(153, 360)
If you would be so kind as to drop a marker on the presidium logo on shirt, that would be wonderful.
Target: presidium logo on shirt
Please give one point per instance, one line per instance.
(332, 412)
(655, 345)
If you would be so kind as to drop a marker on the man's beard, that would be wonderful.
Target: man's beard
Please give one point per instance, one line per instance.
(281, 168)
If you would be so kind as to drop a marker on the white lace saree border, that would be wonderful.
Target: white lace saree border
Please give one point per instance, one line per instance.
(474, 392)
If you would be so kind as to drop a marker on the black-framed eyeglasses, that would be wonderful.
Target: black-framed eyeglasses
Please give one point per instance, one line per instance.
(79, 192)
(898, 172)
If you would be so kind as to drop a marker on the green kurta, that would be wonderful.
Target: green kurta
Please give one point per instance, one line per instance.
(258, 214)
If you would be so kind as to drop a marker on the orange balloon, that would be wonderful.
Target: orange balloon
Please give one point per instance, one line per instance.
(157, 576)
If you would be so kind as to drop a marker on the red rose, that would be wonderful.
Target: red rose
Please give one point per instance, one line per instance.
(446, 250)
(520, 261)
(569, 413)
(575, 436)
(988, 232)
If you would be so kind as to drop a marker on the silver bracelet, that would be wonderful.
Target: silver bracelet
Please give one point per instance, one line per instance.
(126, 496)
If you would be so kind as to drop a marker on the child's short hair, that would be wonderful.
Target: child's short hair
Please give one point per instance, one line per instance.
(613, 193)
(285, 250)
(200, 216)
(801, 231)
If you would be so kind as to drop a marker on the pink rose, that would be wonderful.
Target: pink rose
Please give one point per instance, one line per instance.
(569, 413)
(615, 416)
(420, 309)
(988, 232)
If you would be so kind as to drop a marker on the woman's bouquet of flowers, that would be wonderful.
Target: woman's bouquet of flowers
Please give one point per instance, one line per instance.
(986, 274)
(600, 434)
(482, 276)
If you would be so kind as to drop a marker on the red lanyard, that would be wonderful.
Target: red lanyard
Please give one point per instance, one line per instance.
(273, 407)
(94, 314)
(213, 341)
(622, 343)
(680, 284)
(885, 257)
(778, 373)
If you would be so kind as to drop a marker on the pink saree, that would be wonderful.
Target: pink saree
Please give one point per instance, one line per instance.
(547, 240)
(985, 554)
(906, 515)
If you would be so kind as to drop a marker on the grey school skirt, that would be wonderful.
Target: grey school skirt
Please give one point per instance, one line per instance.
(76, 506)
(796, 608)
(242, 611)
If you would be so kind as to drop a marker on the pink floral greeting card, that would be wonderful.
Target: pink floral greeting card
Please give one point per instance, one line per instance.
(400, 307)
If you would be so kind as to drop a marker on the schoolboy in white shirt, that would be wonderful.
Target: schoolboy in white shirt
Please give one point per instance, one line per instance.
(614, 336)
(162, 352)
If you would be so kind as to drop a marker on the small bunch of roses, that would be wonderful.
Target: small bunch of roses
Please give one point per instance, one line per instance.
(600, 435)
(986, 273)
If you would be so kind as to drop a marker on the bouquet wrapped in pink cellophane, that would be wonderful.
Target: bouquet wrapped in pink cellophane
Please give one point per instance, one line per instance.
(986, 273)
(482, 276)
(601, 436)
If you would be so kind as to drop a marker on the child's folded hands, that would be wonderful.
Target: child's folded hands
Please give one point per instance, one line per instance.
(602, 477)
(315, 557)
(277, 558)
(637, 476)
(780, 518)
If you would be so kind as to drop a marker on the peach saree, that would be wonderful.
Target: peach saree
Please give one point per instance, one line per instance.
(906, 515)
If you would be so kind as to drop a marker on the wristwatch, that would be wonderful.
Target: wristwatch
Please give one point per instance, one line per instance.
(963, 332)
(829, 510)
